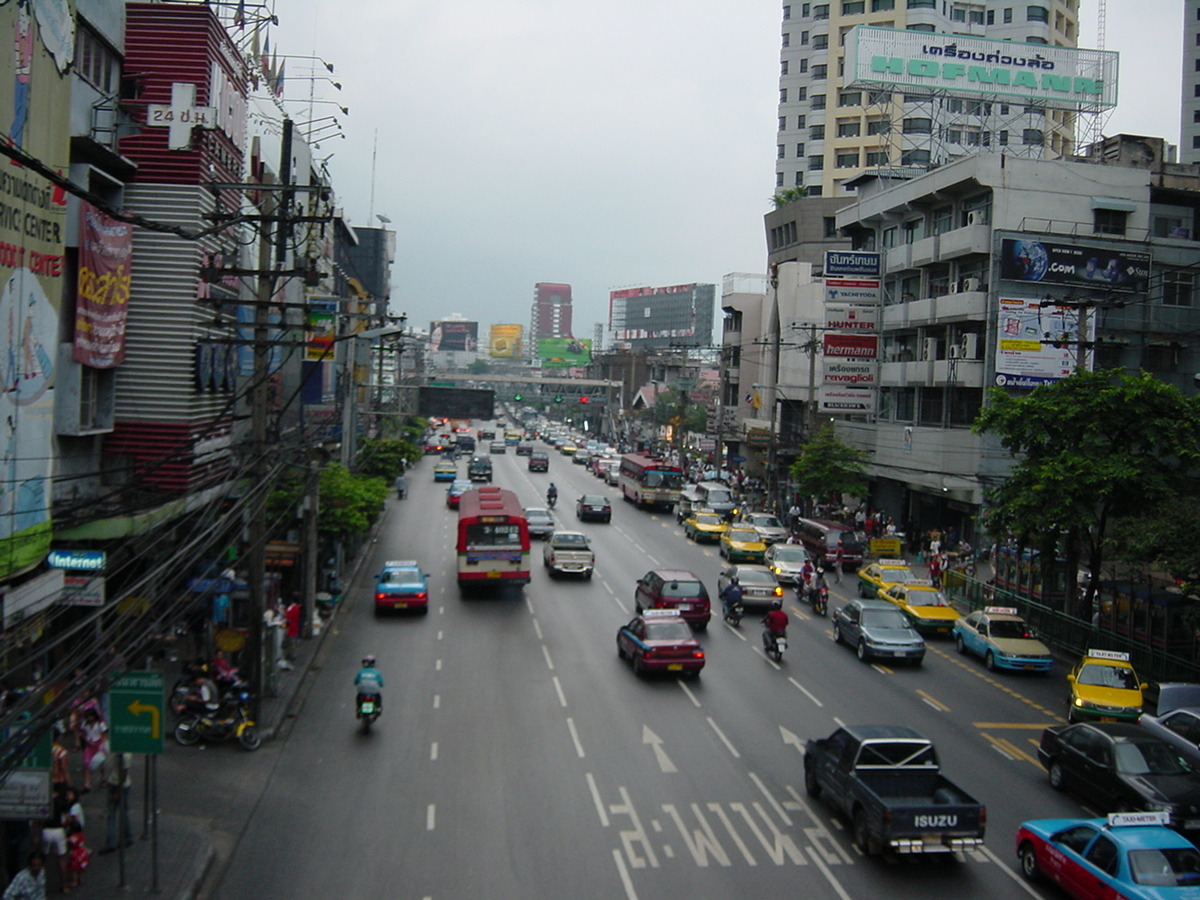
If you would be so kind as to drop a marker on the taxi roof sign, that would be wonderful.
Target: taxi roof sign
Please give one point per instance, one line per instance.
(660, 614)
(1108, 654)
(1126, 820)
(392, 563)
(1000, 610)
(893, 562)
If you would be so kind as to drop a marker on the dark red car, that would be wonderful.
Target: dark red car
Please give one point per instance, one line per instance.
(677, 590)
(455, 491)
(660, 641)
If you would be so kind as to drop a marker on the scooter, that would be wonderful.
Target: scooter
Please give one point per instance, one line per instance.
(367, 709)
(551, 499)
(231, 720)
(820, 600)
(734, 612)
(774, 643)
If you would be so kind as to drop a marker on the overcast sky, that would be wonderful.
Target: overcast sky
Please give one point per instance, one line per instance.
(601, 143)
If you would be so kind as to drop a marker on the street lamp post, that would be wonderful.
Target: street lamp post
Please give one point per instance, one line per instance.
(773, 449)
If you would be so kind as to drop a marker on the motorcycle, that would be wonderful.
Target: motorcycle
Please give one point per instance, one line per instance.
(774, 643)
(820, 600)
(368, 710)
(231, 719)
(551, 499)
(734, 612)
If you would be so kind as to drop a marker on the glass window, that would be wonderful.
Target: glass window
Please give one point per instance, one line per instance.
(783, 95)
(782, 123)
(882, 5)
(803, 67)
(799, 151)
(1109, 221)
(928, 28)
(787, 12)
(849, 128)
(918, 126)
(783, 67)
(847, 160)
(1008, 15)
(820, 41)
(820, 11)
(879, 126)
(780, 152)
(933, 402)
(1033, 137)
(818, 101)
(816, 133)
(1037, 14)
(787, 39)
(850, 98)
(905, 402)
(799, 121)
(853, 7)
(922, 4)
(816, 163)
(877, 158)
(820, 72)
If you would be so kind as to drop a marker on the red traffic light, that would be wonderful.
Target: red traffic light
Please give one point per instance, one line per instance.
(585, 399)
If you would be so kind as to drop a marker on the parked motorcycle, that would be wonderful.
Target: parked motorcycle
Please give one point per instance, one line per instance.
(230, 720)
(367, 709)
(774, 643)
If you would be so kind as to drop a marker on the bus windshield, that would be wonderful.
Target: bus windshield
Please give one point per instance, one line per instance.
(493, 535)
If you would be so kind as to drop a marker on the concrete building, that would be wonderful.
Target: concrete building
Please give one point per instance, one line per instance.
(551, 315)
(1189, 107)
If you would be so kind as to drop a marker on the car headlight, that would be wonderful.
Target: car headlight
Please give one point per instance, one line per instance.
(1084, 704)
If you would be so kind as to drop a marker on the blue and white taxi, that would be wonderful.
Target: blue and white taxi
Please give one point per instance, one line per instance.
(1002, 639)
(1130, 855)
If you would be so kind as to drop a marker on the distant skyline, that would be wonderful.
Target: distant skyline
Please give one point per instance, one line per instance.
(608, 145)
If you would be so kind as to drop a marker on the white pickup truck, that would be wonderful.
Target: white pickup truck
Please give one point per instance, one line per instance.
(569, 552)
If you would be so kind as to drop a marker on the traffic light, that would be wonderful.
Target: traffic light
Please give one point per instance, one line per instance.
(518, 397)
(558, 398)
(585, 399)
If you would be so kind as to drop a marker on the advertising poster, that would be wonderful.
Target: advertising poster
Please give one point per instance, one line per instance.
(852, 290)
(564, 353)
(505, 341)
(1025, 354)
(851, 346)
(1073, 265)
(851, 373)
(851, 318)
(852, 263)
(453, 335)
(105, 251)
(847, 401)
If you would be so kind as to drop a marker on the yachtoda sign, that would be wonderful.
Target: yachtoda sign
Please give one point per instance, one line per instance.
(957, 64)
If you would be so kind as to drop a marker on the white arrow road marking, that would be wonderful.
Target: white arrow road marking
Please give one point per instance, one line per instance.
(664, 761)
(791, 738)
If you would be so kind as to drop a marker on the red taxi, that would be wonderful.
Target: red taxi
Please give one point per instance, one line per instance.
(659, 640)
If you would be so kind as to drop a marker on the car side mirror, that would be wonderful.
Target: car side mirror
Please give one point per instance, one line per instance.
(1070, 679)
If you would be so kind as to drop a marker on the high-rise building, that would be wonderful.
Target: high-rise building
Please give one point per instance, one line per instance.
(551, 316)
(1189, 108)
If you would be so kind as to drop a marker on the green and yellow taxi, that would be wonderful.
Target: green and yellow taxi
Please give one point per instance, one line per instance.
(568, 448)
(445, 471)
(1104, 688)
(881, 575)
(927, 607)
(742, 543)
(704, 525)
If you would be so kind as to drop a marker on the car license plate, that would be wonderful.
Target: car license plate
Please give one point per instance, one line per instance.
(493, 574)
(942, 630)
(399, 604)
(1028, 666)
(1108, 718)
(368, 708)
(674, 667)
(684, 607)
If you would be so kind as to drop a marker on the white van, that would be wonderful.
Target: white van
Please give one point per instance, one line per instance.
(716, 496)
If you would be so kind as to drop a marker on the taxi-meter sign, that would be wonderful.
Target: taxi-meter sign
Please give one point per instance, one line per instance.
(136, 710)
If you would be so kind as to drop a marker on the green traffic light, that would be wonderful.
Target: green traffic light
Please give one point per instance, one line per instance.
(518, 397)
(558, 398)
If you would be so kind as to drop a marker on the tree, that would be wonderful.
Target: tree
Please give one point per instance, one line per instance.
(387, 457)
(788, 195)
(349, 502)
(479, 367)
(1092, 448)
(828, 468)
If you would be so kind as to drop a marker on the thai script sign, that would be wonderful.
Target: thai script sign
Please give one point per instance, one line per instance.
(958, 64)
(105, 248)
(1026, 355)
(846, 400)
(852, 262)
(860, 374)
(1073, 264)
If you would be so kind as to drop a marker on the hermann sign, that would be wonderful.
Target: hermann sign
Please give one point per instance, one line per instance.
(960, 65)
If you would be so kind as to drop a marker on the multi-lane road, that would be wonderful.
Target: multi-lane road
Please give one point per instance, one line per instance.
(518, 758)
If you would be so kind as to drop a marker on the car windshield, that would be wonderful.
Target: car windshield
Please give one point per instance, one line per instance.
(1165, 867)
(1008, 628)
(897, 576)
(569, 540)
(743, 534)
(534, 512)
(883, 618)
(1099, 675)
(593, 501)
(402, 576)
(668, 631)
(753, 576)
(1148, 758)
(927, 598)
(708, 520)
(763, 520)
(683, 589)
(790, 554)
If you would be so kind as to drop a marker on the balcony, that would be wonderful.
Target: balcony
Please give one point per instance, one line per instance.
(933, 372)
(969, 239)
(925, 250)
(970, 305)
(898, 258)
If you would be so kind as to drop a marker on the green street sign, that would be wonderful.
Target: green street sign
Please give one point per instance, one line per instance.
(135, 705)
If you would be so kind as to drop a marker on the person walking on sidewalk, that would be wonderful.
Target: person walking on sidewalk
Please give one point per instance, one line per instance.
(30, 882)
(95, 739)
(119, 782)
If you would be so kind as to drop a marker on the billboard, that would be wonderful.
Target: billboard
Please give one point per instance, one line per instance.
(454, 335)
(1075, 265)
(853, 263)
(504, 342)
(846, 400)
(972, 66)
(681, 314)
(851, 346)
(852, 318)
(1025, 353)
(456, 403)
(564, 353)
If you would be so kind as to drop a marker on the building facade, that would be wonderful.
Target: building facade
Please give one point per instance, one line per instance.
(1189, 106)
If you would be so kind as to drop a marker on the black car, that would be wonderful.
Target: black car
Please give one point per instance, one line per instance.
(1117, 766)
(594, 507)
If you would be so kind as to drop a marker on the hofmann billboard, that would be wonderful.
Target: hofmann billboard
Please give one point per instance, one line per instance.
(971, 66)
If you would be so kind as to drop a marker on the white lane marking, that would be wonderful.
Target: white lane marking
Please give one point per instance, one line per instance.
(1011, 874)
(438, 666)
(549, 661)
(833, 882)
(779, 811)
(439, 637)
(630, 893)
(688, 691)
(736, 631)
(805, 691)
(433, 751)
(437, 701)
(537, 629)
(770, 662)
(664, 762)
(529, 604)
(596, 799)
(620, 605)
(721, 735)
(838, 722)
(562, 698)
(430, 816)
(575, 737)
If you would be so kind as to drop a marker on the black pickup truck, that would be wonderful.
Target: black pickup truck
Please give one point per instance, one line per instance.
(886, 781)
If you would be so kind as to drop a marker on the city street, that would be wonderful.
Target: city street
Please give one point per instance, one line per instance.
(518, 756)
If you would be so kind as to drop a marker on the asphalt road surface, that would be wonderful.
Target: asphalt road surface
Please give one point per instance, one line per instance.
(517, 757)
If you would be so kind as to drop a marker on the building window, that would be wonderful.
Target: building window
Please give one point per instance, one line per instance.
(874, 97)
(927, 28)
(799, 151)
(1109, 221)
(783, 123)
(820, 42)
(787, 13)
(800, 120)
(816, 133)
(814, 190)
(820, 72)
(922, 4)
(801, 94)
(991, 17)
(803, 38)
(1008, 15)
(882, 5)
(877, 157)
(818, 101)
(820, 10)
(905, 403)
(847, 160)
(1034, 39)
(799, 179)
(965, 405)
(816, 163)
(1033, 137)
(783, 95)
(94, 61)
(854, 7)
(803, 67)
(1178, 288)
(787, 39)
(849, 128)
(933, 405)
(943, 220)
(879, 126)
(954, 135)
(1160, 358)
(850, 98)
(783, 67)
(918, 126)
(780, 152)
(915, 158)
(830, 224)
(958, 14)
(1002, 138)
(1037, 14)
(778, 179)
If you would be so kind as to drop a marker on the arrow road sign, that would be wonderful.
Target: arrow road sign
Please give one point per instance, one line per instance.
(136, 707)
(664, 761)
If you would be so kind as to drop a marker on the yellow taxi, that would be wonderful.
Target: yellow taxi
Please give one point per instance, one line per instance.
(926, 606)
(742, 543)
(704, 525)
(881, 575)
(568, 449)
(1104, 688)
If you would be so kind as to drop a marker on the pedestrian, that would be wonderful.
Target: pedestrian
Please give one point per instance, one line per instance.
(839, 559)
(30, 882)
(292, 613)
(119, 783)
(935, 570)
(60, 762)
(95, 743)
(54, 834)
(78, 856)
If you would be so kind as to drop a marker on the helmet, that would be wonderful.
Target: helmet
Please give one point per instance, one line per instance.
(776, 604)
(552, 484)
(368, 660)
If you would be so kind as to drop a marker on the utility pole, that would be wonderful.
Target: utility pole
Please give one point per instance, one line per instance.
(812, 346)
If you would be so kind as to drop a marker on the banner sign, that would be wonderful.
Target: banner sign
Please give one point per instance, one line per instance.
(971, 66)
(861, 263)
(1046, 262)
(853, 318)
(844, 290)
(105, 250)
(847, 400)
(454, 336)
(505, 342)
(1025, 353)
(564, 353)
(851, 346)
(859, 374)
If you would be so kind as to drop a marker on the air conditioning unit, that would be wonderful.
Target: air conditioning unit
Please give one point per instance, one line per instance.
(970, 346)
(955, 351)
(929, 349)
(970, 284)
(974, 218)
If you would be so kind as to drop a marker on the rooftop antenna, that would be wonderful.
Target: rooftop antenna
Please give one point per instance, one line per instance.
(374, 151)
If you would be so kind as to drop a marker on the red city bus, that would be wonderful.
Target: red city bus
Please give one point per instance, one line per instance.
(493, 538)
(648, 481)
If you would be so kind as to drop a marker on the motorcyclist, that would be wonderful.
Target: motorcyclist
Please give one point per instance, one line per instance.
(807, 578)
(731, 596)
(551, 495)
(776, 620)
(369, 682)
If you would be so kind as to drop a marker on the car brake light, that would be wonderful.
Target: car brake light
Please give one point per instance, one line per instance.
(778, 591)
(699, 654)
